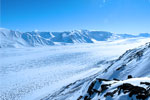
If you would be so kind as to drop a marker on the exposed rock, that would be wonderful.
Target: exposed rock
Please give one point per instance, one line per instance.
(114, 88)
(129, 76)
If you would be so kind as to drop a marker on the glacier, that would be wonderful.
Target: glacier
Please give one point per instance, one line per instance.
(62, 65)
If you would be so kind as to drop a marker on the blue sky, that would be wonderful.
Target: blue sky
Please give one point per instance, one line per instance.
(118, 16)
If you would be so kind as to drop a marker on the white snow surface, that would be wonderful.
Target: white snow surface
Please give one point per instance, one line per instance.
(33, 73)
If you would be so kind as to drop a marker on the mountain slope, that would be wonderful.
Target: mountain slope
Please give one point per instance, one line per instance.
(122, 79)
(34, 39)
(10, 38)
(134, 63)
(72, 37)
(130, 89)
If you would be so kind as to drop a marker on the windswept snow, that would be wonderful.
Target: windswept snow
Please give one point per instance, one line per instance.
(32, 73)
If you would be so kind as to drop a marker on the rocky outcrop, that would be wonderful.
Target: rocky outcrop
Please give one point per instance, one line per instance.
(133, 88)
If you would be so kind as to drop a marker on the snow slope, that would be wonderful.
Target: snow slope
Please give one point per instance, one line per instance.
(134, 62)
(9, 38)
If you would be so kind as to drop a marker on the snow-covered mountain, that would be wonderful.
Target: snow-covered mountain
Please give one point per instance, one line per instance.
(9, 38)
(133, 64)
(66, 72)
(125, 78)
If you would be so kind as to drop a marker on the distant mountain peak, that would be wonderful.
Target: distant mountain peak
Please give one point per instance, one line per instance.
(36, 38)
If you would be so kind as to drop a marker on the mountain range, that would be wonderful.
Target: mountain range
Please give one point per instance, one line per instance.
(94, 71)
(10, 38)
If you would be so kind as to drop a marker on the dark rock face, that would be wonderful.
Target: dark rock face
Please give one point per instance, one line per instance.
(129, 76)
(105, 88)
(140, 92)
(110, 93)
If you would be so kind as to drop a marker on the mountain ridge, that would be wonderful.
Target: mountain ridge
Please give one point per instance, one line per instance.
(10, 38)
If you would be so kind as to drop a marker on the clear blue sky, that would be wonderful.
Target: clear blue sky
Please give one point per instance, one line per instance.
(119, 16)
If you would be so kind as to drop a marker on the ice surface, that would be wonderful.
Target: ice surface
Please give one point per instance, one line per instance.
(31, 73)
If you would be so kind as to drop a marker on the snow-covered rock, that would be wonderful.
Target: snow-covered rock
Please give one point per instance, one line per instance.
(134, 63)
(130, 89)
